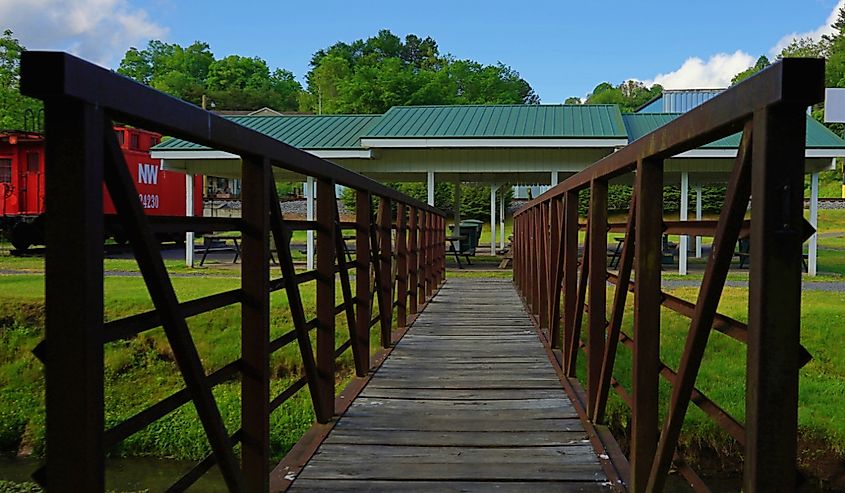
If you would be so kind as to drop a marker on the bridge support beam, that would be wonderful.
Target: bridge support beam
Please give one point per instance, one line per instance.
(597, 257)
(647, 300)
(326, 257)
(255, 326)
(74, 298)
(774, 298)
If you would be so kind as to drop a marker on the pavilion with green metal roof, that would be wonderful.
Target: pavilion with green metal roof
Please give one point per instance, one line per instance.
(497, 145)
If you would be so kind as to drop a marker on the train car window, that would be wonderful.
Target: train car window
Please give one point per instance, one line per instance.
(133, 141)
(153, 141)
(5, 171)
(120, 136)
(32, 162)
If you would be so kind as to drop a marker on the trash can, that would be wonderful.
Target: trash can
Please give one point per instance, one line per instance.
(472, 229)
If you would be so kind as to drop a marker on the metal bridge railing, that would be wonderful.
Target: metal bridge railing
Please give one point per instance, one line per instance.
(770, 111)
(403, 269)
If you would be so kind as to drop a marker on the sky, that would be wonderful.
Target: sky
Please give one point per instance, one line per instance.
(562, 48)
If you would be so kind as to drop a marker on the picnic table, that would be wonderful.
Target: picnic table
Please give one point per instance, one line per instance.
(457, 238)
(218, 243)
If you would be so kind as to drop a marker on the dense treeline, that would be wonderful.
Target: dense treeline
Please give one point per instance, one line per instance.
(230, 83)
(365, 76)
(370, 76)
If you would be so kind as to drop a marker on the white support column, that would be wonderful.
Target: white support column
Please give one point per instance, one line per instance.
(309, 215)
(430, 186)
(493, 189)
(682, 253)
(554, 178)
(502, 217)
(189, 211)
(698, 218)
(457, 207)
(812, 257)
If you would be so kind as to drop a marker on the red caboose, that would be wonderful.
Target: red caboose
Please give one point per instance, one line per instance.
(161, 193)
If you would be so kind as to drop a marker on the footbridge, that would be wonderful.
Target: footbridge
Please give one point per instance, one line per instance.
(456, 383)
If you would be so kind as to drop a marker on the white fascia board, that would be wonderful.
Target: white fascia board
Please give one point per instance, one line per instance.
(212, 154)
(196, 154)
(342, 153)
(500, 142)
(731, 153)
(825, 153)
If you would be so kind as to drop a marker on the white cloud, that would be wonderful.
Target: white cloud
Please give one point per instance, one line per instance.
(696, 73)
(98, 30)
(719, 69)
(815, 34)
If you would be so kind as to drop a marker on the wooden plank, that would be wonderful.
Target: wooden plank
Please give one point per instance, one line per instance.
(453, 471)
(561, 404)
(462, 438)
(456, 394)
(323, 486)
(582, 454)
(413, 421)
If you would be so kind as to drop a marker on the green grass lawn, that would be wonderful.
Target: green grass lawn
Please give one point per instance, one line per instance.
(141, 371)
(722, 375)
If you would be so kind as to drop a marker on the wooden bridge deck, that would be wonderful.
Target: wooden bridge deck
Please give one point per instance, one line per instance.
(467, 401)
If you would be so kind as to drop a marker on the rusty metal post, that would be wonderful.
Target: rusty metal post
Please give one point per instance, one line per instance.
(429, 255)
(556, 252)
(440, 239)
(597, 257)
(423, 256)
(570, 269)
(413, 261)
(74, 297)
(774, 298)
(401, 266)
(326, 256)
(386, 269)
(363, 219)
(255, 325)
(647, 300)
(515, 254)
(543, 261)
(533, 260)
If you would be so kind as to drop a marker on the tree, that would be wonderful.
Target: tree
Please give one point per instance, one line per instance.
(629, 95)
(835, 43)
(762, 63)
(234, 82)
(804, 47)
(370, 76)
(573, 100)
(14, 107)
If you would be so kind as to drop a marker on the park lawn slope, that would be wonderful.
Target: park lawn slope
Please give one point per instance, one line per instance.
(141, 371)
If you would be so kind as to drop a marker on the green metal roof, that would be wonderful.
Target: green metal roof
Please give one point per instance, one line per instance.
(500, 121)
(301, 131)
(640, 124)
